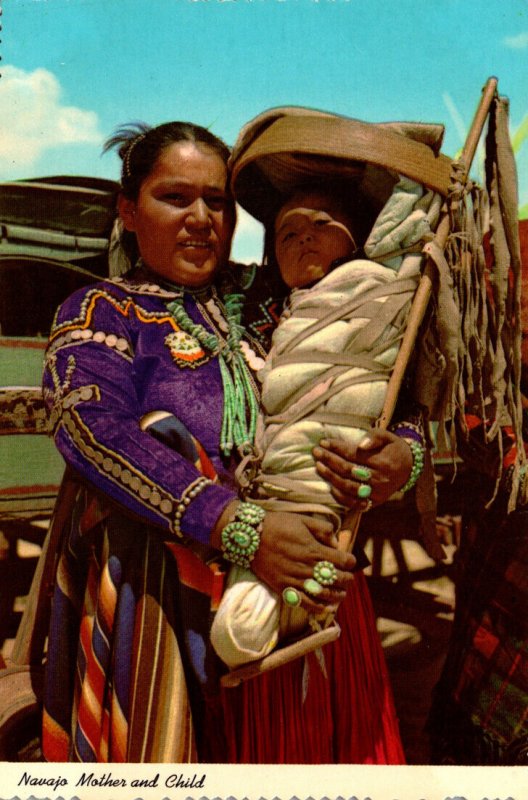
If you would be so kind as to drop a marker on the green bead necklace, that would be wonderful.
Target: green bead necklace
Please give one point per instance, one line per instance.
(240, 412)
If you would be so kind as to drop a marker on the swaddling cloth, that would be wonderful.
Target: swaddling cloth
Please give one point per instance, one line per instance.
(327, 374)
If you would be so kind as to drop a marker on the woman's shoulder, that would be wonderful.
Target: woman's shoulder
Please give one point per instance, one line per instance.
(80, 296)
(108, 298)
(128, 287)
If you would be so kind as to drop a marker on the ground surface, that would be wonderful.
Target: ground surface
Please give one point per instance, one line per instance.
(415, 613)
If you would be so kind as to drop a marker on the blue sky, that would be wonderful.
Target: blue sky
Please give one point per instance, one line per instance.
(73, 70)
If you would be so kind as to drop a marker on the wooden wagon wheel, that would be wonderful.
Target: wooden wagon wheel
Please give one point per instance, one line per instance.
(21, 680)
(20, 713)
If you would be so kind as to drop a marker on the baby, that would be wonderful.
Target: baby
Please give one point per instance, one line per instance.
(325, 377)
(314, 231)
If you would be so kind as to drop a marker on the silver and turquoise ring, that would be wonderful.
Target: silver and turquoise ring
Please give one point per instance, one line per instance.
(325, 573)
(291, 597)
(313, 587)
(360, 473)
(364, 491)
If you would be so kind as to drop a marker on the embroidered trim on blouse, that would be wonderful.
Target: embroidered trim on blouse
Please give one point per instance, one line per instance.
(150, 289)
(82, 322)
(262, 328)
(119, 470)
(192, 490)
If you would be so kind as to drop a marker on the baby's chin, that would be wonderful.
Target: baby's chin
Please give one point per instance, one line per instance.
(313, 273)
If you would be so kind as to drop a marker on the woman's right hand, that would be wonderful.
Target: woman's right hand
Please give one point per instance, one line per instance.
(290, 547)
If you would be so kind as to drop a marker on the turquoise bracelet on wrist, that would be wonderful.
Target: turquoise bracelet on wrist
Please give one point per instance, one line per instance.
(418, 454)
(241, 536)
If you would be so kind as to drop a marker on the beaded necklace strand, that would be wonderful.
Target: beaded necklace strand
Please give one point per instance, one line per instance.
(240, 412)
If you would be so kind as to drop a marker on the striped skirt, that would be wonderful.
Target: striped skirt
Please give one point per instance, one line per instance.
(130, 676)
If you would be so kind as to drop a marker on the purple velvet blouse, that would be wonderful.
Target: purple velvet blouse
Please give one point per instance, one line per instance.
(116, 354)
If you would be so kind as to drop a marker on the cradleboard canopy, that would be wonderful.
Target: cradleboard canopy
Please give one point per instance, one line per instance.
(284, 148)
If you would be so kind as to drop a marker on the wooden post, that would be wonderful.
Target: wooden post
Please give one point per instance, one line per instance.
(420, 302)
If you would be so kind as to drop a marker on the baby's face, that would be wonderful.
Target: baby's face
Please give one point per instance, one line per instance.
(311, 232)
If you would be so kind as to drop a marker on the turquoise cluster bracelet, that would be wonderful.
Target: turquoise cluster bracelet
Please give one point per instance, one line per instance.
(241, 536)
(418, 454)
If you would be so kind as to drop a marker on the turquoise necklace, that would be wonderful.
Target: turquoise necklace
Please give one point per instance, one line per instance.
(240, 412)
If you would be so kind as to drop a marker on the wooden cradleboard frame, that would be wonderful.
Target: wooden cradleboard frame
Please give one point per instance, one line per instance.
(421, 299)
(282, 655)
(405, 162)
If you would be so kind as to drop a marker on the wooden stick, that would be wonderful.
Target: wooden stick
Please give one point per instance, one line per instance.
(423, 293)
(420, 302)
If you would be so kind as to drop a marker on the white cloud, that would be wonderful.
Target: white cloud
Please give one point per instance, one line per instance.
(34, 119)
(518, 42)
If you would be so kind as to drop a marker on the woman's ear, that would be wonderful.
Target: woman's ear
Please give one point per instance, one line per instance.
(127, 210)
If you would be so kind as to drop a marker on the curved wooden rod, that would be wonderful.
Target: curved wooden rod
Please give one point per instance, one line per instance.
(421, 299)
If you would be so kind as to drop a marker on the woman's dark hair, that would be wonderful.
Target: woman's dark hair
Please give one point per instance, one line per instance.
(140, 146)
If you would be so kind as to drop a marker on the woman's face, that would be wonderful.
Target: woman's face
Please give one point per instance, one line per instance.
(311, 232)
(183, 217)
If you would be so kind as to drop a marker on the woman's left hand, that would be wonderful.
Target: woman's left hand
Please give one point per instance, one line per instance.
(387, 456)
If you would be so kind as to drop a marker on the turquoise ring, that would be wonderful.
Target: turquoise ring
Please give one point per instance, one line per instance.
(364, 491)
(325, 573)
(311, 586)
(291, 597)
(360, 473)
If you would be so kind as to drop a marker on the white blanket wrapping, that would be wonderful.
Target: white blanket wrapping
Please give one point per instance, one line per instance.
(352, 320)
(293, 380)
